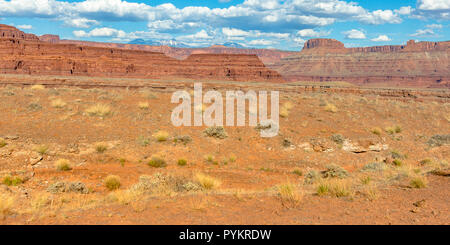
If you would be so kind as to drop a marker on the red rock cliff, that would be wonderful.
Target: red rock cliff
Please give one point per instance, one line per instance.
(425, 64)
(25, 54)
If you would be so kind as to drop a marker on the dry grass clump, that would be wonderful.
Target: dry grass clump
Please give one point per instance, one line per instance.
(41, 149)
(161, 136)
(397, 162)
(298, 172)
(393, 129)
(38, 87)
(99, 110)
(211, 159)
(334, 187)
(148, 94)
(101, 148)
(143, 105)
(12, 181)
(285, 109)
(331, 108)
(371, 193)
(232, 158)
(58, 103)
(207, 182)
(125, 197)
(419, 182)
(376, 131)
(6, 204)
(289, 195)
(157, 162)
(112, 182)
(63, 165)
(2, 143)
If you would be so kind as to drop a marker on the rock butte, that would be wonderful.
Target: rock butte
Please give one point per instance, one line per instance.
(421, 64)
(23, 53)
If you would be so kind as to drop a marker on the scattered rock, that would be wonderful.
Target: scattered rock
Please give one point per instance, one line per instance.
(4, 188)
(363, 146)
(338, 139)
(320, 145)
(351, 147)
(11, 137)
(420, 204)
(286, 143)
(73, 148)
(35, 159)
(306, 147)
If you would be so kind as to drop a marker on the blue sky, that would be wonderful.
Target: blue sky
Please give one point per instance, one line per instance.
(281, 24)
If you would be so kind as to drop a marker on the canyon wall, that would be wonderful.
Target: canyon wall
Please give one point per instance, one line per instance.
(267, 56)
(22, 53)
(422, 64)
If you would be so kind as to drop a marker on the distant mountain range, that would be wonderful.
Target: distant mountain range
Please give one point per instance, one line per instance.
(176, 44)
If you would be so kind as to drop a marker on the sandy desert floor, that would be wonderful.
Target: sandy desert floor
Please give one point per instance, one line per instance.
(70, 155)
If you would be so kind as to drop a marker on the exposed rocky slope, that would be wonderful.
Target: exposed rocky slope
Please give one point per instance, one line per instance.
(22, 53)
(267, 56)
(424, 64)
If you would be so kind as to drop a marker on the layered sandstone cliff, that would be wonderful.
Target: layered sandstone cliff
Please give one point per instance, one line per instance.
(22, 53)
(425, 64)
(267, 56)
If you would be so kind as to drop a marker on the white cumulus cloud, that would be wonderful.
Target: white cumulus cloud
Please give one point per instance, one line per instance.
(101, 32)
(354, 34)
(312, 33)
(423, 33)
(381, 38)
(25, 27)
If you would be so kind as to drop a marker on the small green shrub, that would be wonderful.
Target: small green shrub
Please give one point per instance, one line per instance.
(298, 172)
(216, 132)
(12, 181)
(397, 162)
(182, 162)
(2, 143)
(334, 171)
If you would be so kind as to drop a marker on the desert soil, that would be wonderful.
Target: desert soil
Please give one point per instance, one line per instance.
(340, 158)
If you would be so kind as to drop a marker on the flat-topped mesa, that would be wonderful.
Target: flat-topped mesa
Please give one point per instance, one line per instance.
(421, 64)
(23, 53)
(323, 43)
(14, 33)
(322, 46)
(50, 38)
(231, 66)
(413, 46)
